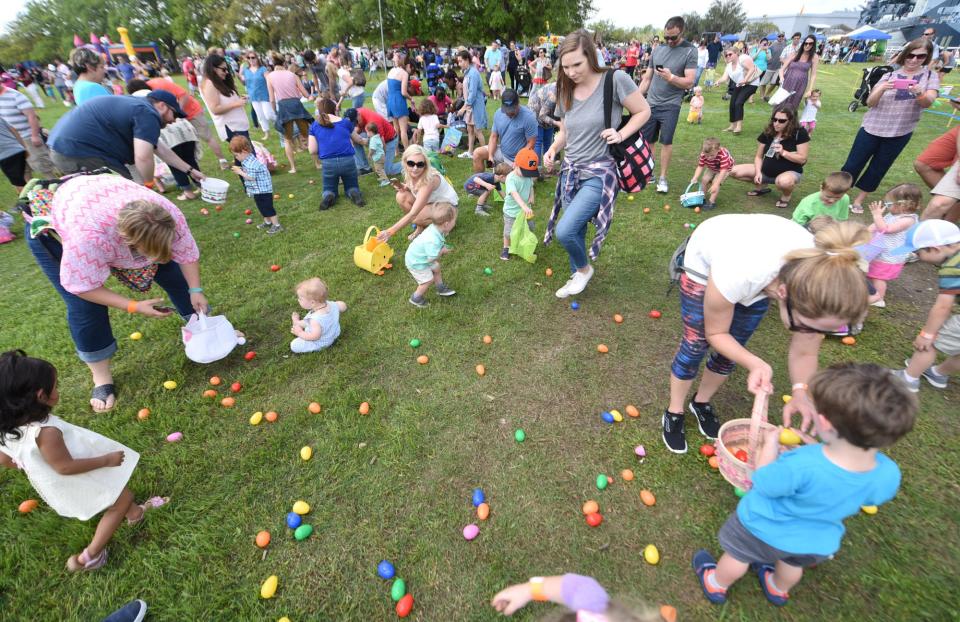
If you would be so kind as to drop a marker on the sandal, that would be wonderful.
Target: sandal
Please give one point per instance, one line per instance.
(856, 208)
(103, 393)
(150, 504)
(183, 196)
(84, 562)
(758, 192)
(782, 203)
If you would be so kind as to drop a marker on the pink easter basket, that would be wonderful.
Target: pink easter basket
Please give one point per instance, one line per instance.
(745, 434)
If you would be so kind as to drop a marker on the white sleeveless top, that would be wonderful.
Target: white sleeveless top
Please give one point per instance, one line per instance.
(444, 193)
(236, 118)
(83, 495)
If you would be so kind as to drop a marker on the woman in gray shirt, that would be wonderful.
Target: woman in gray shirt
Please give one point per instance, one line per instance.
(587, 188)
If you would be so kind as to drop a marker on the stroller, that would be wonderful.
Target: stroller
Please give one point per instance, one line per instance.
(867, 82)
(523, 80)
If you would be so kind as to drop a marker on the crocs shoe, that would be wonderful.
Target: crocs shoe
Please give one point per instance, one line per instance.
(778, 598)
(705, 565)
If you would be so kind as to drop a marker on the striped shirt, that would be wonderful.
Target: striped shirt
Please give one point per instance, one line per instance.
(949, 276)
(570, 182)
(897, 113)
(12, 105)
(722, 161)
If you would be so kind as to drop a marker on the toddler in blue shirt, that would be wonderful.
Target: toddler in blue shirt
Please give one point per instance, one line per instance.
(256, 181)
(793, 515)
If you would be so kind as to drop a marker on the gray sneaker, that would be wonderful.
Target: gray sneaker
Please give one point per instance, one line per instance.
(264, 225)
(274, 229)
(443, 290)
(937, 381)
(912, 385)
(418, 301)
(482, 210)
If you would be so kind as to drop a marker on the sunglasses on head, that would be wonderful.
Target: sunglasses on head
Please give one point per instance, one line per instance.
(419, 164)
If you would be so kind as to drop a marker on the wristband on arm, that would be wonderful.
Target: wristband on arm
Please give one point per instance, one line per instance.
(132, 306)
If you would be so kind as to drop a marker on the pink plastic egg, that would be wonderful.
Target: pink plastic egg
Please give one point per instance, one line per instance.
(640, 451)
(174, 437)
(471, 531)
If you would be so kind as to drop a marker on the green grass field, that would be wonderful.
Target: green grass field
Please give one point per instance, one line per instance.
(396, 484)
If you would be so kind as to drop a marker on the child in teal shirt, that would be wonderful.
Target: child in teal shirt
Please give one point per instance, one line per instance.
(423, 254)
(519, 193)
(832, 200)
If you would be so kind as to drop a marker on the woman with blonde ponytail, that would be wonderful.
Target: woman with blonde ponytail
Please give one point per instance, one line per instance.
(733, 265)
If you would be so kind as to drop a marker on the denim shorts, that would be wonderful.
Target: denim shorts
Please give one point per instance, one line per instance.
(745, 547)
(661, 125)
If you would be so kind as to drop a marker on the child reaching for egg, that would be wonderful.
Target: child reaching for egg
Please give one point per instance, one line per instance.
(321, 326)
(793, 515)
(78, 472)
(584, 597)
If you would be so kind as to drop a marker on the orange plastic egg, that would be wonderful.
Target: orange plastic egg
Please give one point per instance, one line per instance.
(423, 359)
(364, 408)
(314, 408)
(263, 539)
(143, 413)
(481, 370)
(28, 506)
(549, 272)
(210, 393)
(632, 410)
(646, 210)
(626, 475)
(668, 613)
(647, 497)
(714, 462)
(666, 208)
(618, 318)
(215, 380)
(271, 416)
(487, 339)
(602, 349)
(483, 511)
(590, 507)
(228, 402)
(848, 341)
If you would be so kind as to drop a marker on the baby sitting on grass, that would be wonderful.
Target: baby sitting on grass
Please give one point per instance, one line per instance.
(321, 326)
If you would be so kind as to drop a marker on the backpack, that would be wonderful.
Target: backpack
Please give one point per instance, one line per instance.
(359, 79)
(675, 268)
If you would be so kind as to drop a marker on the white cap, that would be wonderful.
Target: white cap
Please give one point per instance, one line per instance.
(927, 234)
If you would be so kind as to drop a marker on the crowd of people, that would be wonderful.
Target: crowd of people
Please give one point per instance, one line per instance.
(822, 269)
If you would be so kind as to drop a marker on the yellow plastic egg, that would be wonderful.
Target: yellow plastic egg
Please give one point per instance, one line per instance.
(616, 415)
(169, 384)
(137, 336)
(289, 196)
(789, 437)
(868, 509)
(269, 587)
(301, 507)
(787, 398)
(256, 418)
(285, 618)
(651, 554)
(305, 453)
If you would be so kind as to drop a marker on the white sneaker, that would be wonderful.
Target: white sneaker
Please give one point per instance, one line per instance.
(466, 155)
(880, 304)
(662, 185)
(576, 284)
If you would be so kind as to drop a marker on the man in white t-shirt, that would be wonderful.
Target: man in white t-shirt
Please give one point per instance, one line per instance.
(17, 110)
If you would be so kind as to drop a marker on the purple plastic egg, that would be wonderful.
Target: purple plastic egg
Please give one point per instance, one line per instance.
(174, 437)
(640, 451)
(471, 531)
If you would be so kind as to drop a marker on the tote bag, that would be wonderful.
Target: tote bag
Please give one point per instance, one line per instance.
(633, 155)
(208, 339)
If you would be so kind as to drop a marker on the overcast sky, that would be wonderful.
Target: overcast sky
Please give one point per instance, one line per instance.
(652, 13)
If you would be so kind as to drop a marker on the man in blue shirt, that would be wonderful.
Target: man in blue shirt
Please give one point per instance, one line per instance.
(116, 131)
(492, 57)
(514, 127)
(126, 69)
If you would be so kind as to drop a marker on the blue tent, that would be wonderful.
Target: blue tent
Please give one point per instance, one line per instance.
(730, 38)
(772, 36)
(871, 35)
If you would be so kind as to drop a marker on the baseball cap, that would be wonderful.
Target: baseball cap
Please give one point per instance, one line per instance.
(928, 233)
(527, 160)
(167, 98)
(509, 101)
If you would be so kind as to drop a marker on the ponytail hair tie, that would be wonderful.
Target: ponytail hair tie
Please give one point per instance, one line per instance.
(831, 253)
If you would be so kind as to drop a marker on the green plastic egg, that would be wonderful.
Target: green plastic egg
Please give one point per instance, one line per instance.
(488, 271)
(414, 343)
(303, 532)
(601, 481)
(739, 492)
(520, 436)
(236, 235)
(398, 590)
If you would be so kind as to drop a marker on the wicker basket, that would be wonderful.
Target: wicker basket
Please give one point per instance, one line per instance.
(743, 434)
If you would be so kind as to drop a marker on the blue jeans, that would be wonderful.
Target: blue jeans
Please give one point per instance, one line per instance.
(696, 79)
(390, 164)
(359, 99)
(879, 151)
(544, 140)
(89, 322)
(572, 228)
(360, 154)
(335, 169)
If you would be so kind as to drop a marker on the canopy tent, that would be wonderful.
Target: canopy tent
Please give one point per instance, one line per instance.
(857, 31)
(730, 38)
(772, 36)
(870, 35)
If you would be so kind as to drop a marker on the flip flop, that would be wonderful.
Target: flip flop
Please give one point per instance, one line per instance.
(783, 204)
(150, 504)
(759, 193)
(84, 562)
(103, 393)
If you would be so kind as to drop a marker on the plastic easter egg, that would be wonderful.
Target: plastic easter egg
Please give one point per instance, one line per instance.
(385, 569)
(256, 418)
(249, 356)
(209, 394)
(618, 318)
(655, 314)
(483, 511)
(293, 520)
(789, 437)
(289, 196)
(303, 532)
(306, 453)
(277, 196)
(247, 212)
(27, 506)
(519, 435)
(301, 507)
(169, 385)
(404, 606)
(271, 416)
(632, 410)
(471, 531)
(215, 380)
(263, 539)
(607, 417)
(646, 210)
(590, 507)
(284, 619)
(696, 210)
(143, 413)
(741, 455)
(668, 612)
(488, 271)
(423, 359)
(602, 348)
(548, 271)
(647, 498)
(616, 415)
(848, 341)
(868, 509)
(236, 234)
(714, 462)
(364, 408)
(314, 408)
(311, 182)
(594, 519)
(274, 268)
(707, 450)
(269, 587)
(602, 481)
(666, 208)
(786, 398)
(478, 497)
(629, 197)
(414, 343)
(398, 590)
(487, 339)
(651, 555)
(626, 475)
(228, 402)
(574, 305)
(236, 387)
(481, 370)
(204, 211)
(248, 221)
(640, 451)
(739, 492)
(137, 336)
(174, 437)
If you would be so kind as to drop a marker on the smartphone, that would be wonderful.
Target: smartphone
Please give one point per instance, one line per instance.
(658, 67)
(165, 309)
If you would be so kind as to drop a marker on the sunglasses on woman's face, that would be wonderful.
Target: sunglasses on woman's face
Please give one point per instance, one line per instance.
(801, 328)
(917, 56)
(417, 164)
(221, 68)
(780, 120)
(808, 43)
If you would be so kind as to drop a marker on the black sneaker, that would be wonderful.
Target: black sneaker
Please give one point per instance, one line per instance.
(706, 420)
(357, 199)
(443, 290)
(327, 202)
(673, 435)
(505, 254)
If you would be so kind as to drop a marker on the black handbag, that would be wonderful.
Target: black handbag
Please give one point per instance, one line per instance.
(633, 154)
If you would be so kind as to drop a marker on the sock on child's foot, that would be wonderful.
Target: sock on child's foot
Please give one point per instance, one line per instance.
(772, 587)
(908, 377)
(710, 578)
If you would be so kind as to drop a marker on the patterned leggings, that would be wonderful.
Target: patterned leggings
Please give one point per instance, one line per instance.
(694, 346)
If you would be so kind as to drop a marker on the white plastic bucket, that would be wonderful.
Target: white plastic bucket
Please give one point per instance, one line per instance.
(214, 190)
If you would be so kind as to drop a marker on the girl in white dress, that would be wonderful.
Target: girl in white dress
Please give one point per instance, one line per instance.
(77, 472)
(496, 82)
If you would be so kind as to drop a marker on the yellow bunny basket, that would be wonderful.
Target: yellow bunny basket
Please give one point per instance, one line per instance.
(373, 255)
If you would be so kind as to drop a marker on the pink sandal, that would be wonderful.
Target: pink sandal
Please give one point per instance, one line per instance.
(149, 504)
(84, 562)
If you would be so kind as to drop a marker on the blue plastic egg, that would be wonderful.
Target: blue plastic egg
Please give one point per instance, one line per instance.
(606, 417)
(478, 497)
(385, 570)
(574, 305)
(293, 520)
